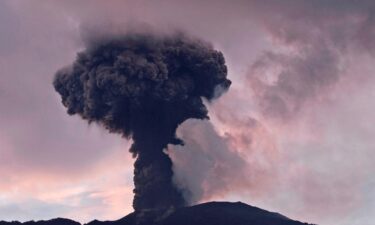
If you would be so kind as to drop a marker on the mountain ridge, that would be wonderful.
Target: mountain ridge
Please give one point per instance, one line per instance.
(210, 213)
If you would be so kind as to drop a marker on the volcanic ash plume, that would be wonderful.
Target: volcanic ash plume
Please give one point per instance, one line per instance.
(143, 86)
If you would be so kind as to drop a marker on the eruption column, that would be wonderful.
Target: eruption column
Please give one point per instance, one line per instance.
(143, 86)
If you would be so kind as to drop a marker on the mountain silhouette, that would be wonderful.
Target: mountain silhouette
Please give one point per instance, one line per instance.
(211, 213)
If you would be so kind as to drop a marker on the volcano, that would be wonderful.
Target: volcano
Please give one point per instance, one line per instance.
(211, 213)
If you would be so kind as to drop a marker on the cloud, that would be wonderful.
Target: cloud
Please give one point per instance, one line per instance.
(238, 161)
(296, 125)
(311, 44)
(104, 191)
(299, 85)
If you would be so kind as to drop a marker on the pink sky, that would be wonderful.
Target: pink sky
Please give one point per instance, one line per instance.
(294, 134)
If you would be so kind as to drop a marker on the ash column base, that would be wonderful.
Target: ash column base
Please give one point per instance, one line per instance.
(154, 188)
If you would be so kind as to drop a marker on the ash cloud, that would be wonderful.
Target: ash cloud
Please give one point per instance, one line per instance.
(143, 86)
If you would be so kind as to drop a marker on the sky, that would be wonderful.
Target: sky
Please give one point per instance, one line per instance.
(294, 134)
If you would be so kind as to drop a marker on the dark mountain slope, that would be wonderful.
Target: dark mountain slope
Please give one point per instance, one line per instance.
(225, 213)
(211, 213)
(57, 221)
